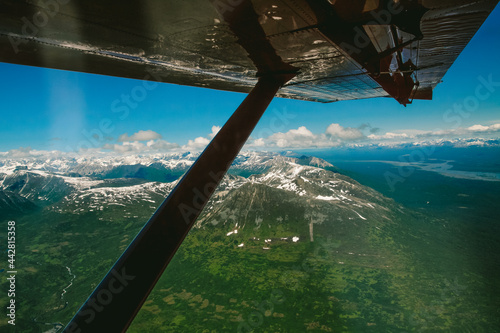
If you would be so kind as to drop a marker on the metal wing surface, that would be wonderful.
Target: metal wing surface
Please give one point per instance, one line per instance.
(343, 49)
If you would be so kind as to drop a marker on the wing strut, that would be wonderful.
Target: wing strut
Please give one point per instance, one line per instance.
(117, 299)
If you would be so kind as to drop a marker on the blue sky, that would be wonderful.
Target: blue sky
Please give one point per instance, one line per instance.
(53, 110)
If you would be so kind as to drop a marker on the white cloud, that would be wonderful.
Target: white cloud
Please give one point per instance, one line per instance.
(411, 135)
(337, 135)
(215, 130)
(126, 147)
(139, 136)
(197, 144)
(481, 128)
(20, 152)
(296, 138)
(201, 142)
(300, 137)
(133, 144)
(139, 147)
(259, 143)
(344, 133)
(478, 128)
(388, 135)
(161, 145)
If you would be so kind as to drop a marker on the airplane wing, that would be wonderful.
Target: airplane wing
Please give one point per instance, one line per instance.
(343, 49)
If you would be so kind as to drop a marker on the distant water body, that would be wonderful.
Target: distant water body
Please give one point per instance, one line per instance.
(459, 182)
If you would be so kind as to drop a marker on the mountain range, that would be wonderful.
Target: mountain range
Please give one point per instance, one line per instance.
(287, 243)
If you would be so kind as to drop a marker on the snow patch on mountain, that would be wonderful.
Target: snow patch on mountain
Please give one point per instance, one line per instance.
(90, 193)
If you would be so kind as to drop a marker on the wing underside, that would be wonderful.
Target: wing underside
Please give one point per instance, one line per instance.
(342, 51)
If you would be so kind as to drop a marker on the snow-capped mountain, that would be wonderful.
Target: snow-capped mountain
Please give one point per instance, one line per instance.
(97, 165)
(272, 181)
(60, 186)
(117, 166)
(293, 201)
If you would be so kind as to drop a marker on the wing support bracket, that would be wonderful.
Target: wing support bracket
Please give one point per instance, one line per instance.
(118, 298)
